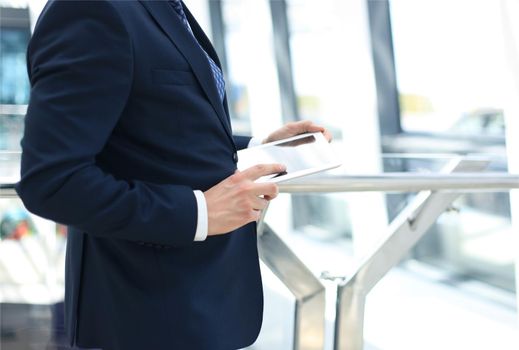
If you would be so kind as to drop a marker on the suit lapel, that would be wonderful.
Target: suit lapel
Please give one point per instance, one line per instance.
(167, 19)
(209, 48)
(201, 37)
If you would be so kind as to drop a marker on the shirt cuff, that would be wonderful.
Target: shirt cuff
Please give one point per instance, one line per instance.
(255, 141)
(202, 220)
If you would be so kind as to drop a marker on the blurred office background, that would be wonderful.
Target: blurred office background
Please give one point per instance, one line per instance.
(395, 81)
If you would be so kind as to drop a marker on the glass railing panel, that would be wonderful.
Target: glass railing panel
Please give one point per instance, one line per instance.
(463, 266)
(457, 242)
(473, 239)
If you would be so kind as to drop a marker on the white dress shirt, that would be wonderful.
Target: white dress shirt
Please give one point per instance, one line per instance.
(202, 219)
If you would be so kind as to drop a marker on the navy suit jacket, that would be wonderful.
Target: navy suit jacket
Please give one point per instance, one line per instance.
(124, 122)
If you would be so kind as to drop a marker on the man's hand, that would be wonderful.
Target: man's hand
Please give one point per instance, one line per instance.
(296, 128)
(237, 200)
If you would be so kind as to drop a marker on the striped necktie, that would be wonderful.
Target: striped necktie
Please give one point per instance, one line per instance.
(217, 72)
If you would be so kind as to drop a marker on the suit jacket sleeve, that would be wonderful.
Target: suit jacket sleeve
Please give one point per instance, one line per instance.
(241, 141)
(80, 66)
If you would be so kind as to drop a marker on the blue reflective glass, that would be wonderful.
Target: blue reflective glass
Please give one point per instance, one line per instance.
(14, 84)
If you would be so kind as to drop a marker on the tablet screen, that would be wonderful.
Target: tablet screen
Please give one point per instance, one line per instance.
(302, 155)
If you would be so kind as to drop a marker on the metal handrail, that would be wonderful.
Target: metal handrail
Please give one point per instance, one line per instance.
(7, 191)
(392, 182)
(13, 109)
(402, 182)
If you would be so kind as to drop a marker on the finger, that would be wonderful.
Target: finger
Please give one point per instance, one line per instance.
(318, 128)
(300, 127)
(306, 126)
(259, 203)
(315, 128)
(266, 189)
(327, 135)
(257, 171)
(269, 197)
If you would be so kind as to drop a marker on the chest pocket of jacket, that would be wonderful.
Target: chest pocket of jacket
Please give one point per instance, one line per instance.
(172, 77)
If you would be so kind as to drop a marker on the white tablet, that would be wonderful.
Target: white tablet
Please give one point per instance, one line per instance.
(302, 155)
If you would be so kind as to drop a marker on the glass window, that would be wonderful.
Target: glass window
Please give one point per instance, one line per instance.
(237, 88)
(450, 69)
(334, 86)
(252, 78)
(316, 52)
(14, 84)
(450, 66)
(318, 48)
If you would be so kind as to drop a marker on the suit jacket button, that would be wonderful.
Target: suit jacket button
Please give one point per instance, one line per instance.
(235, 157)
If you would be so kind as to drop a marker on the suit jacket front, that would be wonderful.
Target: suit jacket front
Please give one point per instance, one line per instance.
(124, 122)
